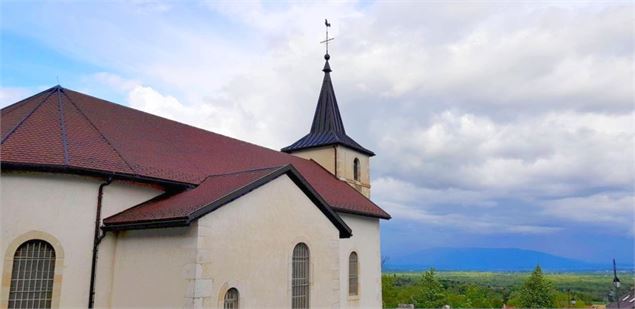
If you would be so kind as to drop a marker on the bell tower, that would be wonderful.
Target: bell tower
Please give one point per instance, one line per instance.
(328, 144)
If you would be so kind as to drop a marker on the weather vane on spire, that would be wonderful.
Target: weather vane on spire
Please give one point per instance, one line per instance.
(328, 25)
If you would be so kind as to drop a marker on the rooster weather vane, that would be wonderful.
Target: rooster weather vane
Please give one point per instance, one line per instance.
(326, 41)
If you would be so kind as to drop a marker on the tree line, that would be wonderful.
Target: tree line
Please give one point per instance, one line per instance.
(428, 291)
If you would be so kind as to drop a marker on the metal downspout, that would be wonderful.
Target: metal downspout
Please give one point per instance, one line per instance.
(96, 240)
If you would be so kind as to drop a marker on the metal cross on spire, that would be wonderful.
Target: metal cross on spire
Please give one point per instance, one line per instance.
(326, 41)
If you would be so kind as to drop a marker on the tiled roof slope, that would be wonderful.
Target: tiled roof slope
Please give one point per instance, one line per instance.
(210, 190)
(214, 192)
(327, 128)
(61, 129)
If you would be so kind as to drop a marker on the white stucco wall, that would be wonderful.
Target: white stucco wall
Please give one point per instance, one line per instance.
(365, 241)
(249, 244)
(62, 206)
(245, 244)
(151, 268)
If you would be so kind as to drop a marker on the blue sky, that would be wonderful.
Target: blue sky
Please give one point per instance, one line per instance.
(495, 124)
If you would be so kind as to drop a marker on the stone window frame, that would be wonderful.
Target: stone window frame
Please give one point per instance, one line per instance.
(308, 272)
(234, 305)
(7, 266)
(353, 294)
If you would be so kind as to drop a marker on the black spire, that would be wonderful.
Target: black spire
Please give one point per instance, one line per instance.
(327, 115)
(327, 128)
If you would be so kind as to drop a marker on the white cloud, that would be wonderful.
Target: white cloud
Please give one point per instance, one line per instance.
(495, 106)
(114, 81)
(152, 5)
(460, 166)
(553, 153)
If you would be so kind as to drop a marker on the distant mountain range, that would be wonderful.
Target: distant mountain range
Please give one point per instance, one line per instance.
(490, 259)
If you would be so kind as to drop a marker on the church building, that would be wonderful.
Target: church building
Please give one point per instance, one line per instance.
(104, 206)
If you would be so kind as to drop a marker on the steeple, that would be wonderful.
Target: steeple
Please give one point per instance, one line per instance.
(327, 143)
(327, 114)
(327, 128)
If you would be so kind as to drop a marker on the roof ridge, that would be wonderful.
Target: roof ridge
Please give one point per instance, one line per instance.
(60, 109)
(10, 108)
(81, 112)
(245, 171)
(27, 116)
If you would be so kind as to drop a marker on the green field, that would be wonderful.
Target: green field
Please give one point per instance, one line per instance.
(492, 289)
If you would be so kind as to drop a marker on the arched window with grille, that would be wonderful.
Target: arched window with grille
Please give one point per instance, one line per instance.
(353, 274)
(231, 299)
(32, 275)
(356, 170)
(300, 277)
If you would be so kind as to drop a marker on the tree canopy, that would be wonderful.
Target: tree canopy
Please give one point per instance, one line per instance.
(429, 292)
(536, 292)
(492, 290)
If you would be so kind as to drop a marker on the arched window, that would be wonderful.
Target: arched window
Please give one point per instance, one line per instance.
(32, 275)
(300, 277)
(353, 274)
(231, 299)
(356, 171)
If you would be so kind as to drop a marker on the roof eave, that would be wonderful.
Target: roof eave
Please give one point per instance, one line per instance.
(147, 224)
(290, 149)
(67, 169)
(361, 213)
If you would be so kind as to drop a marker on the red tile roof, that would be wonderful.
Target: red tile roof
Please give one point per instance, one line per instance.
(215, 191)
(64, 130)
